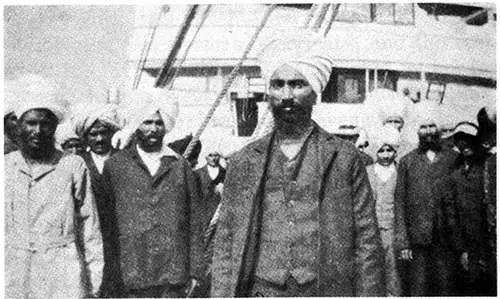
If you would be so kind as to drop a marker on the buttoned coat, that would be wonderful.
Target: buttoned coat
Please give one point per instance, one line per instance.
(158, 220)
(47, 210)
(351, 259)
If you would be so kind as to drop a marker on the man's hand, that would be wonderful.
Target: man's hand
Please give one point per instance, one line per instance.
(406, 254)
(464, 260)
(191, 287)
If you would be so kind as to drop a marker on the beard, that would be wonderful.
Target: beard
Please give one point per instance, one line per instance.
(290, 118)
(429, 142)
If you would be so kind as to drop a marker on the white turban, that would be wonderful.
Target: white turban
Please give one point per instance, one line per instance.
(37, 93)
(106, 113)
(386, 104)
(10, 96)
(139, 104)
(304, 51)
(387, 135)
(65, 132)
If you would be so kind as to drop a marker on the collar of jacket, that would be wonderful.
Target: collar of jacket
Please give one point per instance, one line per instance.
(41, 169)
(164, 167)
(328, 146)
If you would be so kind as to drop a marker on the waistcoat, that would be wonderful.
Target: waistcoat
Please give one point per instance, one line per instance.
(289, 243)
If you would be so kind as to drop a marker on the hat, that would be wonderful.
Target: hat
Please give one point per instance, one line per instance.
(139, 104)
(35, 92)
(106, 113)
(65, 131)
(386, 104)
(304, 51)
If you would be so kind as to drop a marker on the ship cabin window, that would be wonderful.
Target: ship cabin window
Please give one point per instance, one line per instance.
(383, 13)
(349, 86)
(345, 86)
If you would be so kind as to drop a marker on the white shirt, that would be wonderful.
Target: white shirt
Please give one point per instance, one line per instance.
(99, 160)
(384, 172)
(153, 159)
(213, 172)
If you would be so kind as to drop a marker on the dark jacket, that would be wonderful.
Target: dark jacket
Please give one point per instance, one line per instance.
(350, 258)
(418, 199)
(158, 220)
(207, 188)
(110, 284)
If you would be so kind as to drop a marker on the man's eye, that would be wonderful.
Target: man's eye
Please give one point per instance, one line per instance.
(277, 84)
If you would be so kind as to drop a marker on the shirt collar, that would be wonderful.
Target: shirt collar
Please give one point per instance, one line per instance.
(165, 151)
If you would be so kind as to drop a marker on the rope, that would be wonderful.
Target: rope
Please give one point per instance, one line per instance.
(146, 48)
(321, 17)
(177, 69)
(228, 82)
(311, 14)
(332, 19)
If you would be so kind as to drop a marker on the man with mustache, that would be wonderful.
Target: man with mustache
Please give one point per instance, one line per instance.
(156, 203)
(95, 125)
(297, 217)
(431, 247)
(49, 208)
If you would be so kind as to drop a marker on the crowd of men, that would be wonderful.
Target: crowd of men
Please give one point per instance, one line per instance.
(101, 203)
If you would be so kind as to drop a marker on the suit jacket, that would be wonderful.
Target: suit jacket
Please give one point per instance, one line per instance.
(110, 284)
(158, 219)
(350, 259)
(419, 198)
(207, 189)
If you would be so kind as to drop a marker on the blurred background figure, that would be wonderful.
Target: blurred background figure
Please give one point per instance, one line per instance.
(67, 139)
(487, 121)
(9, 117)
(359, 138)
(383, 176)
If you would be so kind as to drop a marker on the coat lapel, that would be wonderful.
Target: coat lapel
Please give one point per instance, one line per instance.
(165, 167)
(327, 150)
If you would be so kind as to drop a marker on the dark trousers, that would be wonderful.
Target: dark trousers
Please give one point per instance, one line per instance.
(163, 291)
(291, 288)
(432, 272)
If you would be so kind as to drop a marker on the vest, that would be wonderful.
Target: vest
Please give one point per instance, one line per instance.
(289, 243)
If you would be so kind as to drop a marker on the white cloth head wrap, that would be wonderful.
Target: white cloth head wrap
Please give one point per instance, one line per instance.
(386, 104)
(38, 93)
(9, 97)
(106, 113)
(65, 131)
(139, 104)
(386, 134)
(304, 51)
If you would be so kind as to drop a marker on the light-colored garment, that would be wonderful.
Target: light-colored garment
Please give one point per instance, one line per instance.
(213, 172)
(153, 159)
(42, 259)
(99, 160)
(383, 183)
(384, 173)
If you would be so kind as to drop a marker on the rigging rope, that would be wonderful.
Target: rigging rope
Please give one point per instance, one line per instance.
(147, 47)
(228, 82)
(177, 69)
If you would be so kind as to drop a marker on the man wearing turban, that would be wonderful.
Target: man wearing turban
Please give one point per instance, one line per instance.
(156, 202)
(297, 216)
(383, 175)
(95, 125)
(434, 258)
(49, 209)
